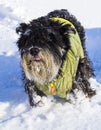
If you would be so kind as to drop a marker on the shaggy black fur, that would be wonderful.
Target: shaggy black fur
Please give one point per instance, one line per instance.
(52, 33)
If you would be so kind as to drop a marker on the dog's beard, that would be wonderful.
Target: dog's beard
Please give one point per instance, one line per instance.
(42, 69)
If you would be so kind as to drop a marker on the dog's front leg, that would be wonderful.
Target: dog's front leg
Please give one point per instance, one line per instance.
(33, 93)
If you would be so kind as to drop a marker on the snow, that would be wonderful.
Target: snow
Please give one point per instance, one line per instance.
(15, 111)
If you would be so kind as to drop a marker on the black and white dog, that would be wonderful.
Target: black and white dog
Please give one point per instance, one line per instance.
(53, 56)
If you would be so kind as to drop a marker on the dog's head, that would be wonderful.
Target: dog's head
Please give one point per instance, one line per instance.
(43, 46)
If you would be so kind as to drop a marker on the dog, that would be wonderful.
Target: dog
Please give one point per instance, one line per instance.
(54, 58)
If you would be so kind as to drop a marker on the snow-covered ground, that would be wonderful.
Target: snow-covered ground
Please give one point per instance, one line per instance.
(15, 112)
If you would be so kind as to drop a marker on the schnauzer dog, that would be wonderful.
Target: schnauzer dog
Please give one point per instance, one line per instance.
(53, 56)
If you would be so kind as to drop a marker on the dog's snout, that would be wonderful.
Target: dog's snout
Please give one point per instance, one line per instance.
(34, 51)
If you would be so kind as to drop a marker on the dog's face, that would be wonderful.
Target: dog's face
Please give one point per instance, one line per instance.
(42, 50)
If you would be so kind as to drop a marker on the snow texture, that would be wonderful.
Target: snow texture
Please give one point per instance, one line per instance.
(15, 112)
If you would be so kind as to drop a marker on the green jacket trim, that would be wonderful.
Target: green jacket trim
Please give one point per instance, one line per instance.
(63, 82)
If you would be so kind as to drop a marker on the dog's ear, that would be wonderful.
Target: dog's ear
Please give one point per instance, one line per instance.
(52, 34)
(67, 29)
(21, 28)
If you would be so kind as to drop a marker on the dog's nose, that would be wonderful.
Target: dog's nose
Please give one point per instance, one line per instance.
(34, 51)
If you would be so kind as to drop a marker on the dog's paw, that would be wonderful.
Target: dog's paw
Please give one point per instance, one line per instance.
(36, 101)
(91, 93)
